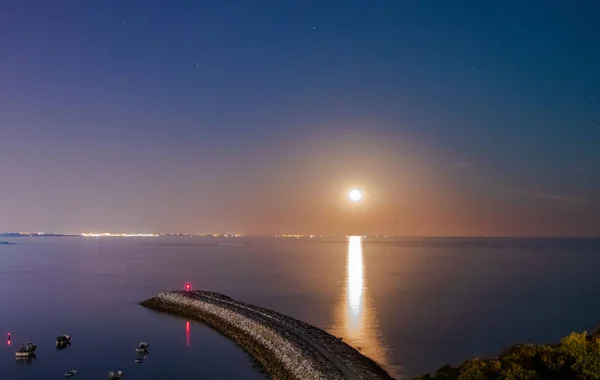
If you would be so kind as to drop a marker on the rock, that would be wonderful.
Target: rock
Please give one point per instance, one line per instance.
(284, 347)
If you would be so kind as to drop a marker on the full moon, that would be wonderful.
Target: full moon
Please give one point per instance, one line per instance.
(355, 195)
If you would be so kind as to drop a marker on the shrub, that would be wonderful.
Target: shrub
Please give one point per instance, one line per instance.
(577, 357)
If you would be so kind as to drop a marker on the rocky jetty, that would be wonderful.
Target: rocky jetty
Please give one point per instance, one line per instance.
(285, 347)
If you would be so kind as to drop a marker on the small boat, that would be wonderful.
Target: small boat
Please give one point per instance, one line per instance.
(63, 339)
(26, 359)
(115, 375)
(138, 361)
(70, 373)
(142, 347)
(26, 350)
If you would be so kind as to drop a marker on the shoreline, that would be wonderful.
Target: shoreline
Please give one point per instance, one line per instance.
(284, 347)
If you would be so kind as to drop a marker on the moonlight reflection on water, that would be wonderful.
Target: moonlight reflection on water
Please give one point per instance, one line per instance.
(355, 317)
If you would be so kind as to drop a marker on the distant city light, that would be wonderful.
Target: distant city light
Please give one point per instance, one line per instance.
(108, 234)
(111, 234)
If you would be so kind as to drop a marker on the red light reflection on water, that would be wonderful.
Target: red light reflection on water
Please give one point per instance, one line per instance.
(187, 333)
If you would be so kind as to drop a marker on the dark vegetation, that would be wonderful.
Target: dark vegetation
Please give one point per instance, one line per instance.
(576, 357)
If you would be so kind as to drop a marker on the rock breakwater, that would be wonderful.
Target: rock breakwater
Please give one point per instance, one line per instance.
(285, 347)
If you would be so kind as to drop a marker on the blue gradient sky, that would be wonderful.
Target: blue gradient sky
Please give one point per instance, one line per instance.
(455, 118)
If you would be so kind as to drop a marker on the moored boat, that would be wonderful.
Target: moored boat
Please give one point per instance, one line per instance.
(26, 360)
(26, 350)
(142, 347)
(115, 375)
(63, 339)
(70, 373)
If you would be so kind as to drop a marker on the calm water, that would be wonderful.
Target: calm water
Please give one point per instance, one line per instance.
(410, 304)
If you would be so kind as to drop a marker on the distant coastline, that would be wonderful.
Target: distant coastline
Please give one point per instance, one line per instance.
(374, 237)
(298, 236)
(30, 234)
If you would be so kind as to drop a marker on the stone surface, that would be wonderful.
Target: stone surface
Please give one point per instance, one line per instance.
(285, 347)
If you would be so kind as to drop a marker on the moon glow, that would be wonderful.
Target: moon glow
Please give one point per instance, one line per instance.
(355, 195)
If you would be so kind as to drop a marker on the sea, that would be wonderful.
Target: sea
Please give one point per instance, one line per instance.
(410, 304)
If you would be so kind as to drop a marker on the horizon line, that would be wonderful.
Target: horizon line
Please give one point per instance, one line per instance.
(291, 236)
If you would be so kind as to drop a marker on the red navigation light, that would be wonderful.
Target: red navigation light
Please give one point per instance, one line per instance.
(188, 286)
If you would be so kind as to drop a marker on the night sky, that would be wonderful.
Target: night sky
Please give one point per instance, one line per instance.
(460, 118)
